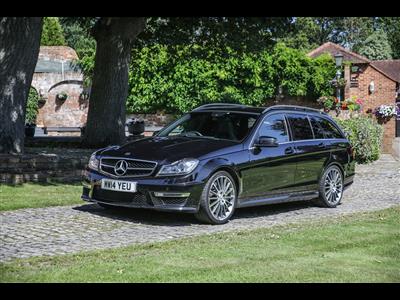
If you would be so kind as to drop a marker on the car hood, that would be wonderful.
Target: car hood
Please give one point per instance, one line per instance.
(170, 149)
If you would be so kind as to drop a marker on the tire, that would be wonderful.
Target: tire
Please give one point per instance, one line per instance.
(106, 206)
(217, 207)
(330, 187)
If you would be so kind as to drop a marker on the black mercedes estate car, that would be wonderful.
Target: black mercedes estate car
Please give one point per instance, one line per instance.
(220, 157)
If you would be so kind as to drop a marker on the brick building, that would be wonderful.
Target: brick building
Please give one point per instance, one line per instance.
(375, 82)
(55, 74)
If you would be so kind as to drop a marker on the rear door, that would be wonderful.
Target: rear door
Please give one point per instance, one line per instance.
(335, 141)
(312, 154)
(271, 169)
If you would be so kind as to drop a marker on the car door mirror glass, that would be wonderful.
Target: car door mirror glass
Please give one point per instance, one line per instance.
(266, 141)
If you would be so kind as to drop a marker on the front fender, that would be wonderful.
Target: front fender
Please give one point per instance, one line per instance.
(222, 164)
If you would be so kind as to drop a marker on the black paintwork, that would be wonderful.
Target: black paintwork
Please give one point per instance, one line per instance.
(287, 172)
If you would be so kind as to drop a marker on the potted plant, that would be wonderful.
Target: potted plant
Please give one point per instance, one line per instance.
(327, 102)
(62, 96)
(350, 106)
(385, 112)
(31, 113)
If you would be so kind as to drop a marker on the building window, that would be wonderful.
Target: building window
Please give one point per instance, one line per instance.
(355, 71)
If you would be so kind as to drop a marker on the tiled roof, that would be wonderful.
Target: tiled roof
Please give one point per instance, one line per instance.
(332, 49)
(390, 67)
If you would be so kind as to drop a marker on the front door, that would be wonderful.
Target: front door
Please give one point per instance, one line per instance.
(271, 169)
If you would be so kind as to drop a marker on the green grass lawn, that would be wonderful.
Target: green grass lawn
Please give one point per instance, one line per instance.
(39, 195)
(357, 248)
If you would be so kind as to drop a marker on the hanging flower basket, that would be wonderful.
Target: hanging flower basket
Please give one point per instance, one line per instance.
(385, 112)
(42, 101)
(62, 96)
(84, 96)
(339, 83)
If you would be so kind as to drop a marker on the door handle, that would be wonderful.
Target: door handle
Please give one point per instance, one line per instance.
(289, 150)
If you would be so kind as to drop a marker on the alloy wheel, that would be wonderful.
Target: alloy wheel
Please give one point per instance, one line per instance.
(333, 186)
(221, 197)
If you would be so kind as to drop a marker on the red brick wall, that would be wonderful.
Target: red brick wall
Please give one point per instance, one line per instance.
(385, 93)
(55, 113)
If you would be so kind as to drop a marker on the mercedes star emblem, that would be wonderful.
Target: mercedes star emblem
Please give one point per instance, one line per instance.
(120, 167)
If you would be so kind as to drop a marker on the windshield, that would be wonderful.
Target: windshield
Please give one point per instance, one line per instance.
(220, 125)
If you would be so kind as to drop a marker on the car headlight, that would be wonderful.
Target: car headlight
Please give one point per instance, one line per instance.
(180, 167)
(93, 162)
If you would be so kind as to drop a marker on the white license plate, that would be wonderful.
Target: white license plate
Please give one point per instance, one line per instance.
(118, 185)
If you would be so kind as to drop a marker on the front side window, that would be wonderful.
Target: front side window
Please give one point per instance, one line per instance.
(220, 125)
(274, 126)
(323, 128)
(300, 127)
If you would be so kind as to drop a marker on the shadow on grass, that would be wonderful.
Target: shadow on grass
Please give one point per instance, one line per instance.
(153, 217)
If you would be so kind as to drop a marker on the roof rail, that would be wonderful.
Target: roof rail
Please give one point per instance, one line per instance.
(294, 107)
(220, 105)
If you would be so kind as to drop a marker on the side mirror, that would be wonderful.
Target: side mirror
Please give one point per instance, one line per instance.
(266, 141)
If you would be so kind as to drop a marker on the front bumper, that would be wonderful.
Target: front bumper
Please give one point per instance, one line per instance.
(163, 194)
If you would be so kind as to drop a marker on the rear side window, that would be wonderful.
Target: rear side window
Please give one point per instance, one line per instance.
(323, 128)
(300, 126)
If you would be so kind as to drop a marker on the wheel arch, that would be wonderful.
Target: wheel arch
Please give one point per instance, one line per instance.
(224, 165)
(332, 163)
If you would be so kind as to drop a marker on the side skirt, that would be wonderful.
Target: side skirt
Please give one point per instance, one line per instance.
(280, 199)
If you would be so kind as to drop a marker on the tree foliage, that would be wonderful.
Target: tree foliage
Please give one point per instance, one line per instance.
(52, 32)
(376, 46)
(239, 33)
(77, 36)
(180, 77)
(391, 26)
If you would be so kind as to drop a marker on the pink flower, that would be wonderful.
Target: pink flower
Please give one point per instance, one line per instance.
(359, 101)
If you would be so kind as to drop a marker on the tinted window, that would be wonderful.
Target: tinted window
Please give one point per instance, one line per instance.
(300, 127)
(325, 128)
(274, 126)
(222, 125)
(318, 131)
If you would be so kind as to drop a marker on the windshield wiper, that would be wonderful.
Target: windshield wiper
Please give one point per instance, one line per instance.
(186, 134)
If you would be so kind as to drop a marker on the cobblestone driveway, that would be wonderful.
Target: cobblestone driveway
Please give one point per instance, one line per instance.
(69, 229)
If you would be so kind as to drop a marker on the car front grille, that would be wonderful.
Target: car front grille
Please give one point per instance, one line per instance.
(131, 199)
(136, 168)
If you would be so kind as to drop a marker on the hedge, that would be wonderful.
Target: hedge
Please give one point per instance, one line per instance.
(179, 78)
(365, 135)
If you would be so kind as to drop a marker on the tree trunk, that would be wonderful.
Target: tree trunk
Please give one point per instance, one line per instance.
(106, 116)
(19, 50)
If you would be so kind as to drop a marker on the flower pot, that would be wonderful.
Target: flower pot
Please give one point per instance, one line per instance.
(62, 97)
(30, 130)
(136, 127)
(41, 102)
